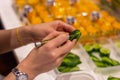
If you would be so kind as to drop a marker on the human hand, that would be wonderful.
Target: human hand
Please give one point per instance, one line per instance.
(47, 57)
(42, 30)
(38, 32)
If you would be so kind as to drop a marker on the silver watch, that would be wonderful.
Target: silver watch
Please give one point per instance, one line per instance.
(19, 74)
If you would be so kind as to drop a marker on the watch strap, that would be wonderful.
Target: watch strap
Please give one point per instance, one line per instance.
(18, 73)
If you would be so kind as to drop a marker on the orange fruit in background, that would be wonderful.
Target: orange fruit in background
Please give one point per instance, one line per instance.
(20, 3)
(81, 10)
(48, 18)
(32, 2)
(83, 31)
(106, 27)
(116, 25)
(36, 20)
(91, 30)
(31, 14)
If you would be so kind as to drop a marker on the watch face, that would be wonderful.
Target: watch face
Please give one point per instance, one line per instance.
(22, 77)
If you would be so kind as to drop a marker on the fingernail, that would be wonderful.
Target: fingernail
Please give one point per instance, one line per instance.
(75, 40)
(68, 36)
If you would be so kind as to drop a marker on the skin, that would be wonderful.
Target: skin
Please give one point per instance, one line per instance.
(44, 58)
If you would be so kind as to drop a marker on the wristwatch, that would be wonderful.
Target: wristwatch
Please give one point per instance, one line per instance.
(19, 74)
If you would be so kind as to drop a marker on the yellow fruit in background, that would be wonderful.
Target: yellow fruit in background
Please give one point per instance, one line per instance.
(76, 25)
(40, 8)
(36, 20)
(83, 31)
(33, 2)
(106, 27)
(59, 12)
(43, 15)
(100, 21)
(116, 25)
(71, 11)
(48, 18)
(104, 14)
(110, 19)
(31, 14)
(81, 11)
(91, 30)
(63, 3)
(20, 3)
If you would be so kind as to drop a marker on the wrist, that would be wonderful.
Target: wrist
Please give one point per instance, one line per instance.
(27, 70)
(23, 35)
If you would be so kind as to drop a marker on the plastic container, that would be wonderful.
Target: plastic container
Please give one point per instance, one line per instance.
(105, 76)
(113, 54)
(115, 41)
(81, 75)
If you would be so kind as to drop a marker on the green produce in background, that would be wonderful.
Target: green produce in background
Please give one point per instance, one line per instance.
(75, 35)
(94, 58)
(115, 63)
(88, 48)
(104, 52)
(107, 60)
(71, 56)
(70, 63)
(64, 69)
(100, 55)
(113, 78)
(97, 46)
(101, 64)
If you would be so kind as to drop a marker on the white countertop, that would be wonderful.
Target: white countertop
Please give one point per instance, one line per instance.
(10, 20)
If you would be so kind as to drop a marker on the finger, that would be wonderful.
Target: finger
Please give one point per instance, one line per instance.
(61, 26)
(46, 39)
(60, 59)
(52, 35)
(58, 41)
(65, 48)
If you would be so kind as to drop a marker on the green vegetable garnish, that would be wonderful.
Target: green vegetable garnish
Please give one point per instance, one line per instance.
(97, 46)
(104, 52)
(113, 78)
(75, 35)
(70, 63)
(109, 61)
(64, 69)
(94, 58)
(101, 64)
(88, 48)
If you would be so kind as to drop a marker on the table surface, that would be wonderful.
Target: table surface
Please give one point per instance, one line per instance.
(10, 20)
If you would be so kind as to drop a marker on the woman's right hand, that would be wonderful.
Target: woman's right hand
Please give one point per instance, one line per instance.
(48, 56)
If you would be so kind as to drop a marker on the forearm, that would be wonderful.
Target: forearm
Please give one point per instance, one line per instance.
(24, 67)
(9, 39)
(11, 76)
(5, 40)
